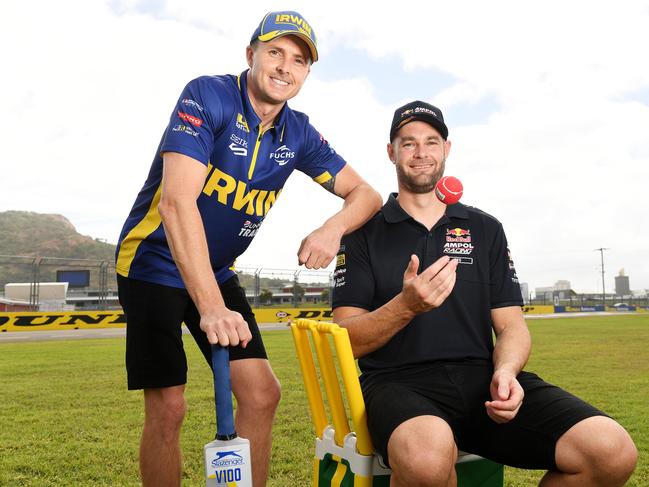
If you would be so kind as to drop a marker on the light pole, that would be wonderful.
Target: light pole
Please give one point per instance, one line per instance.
(601, 251)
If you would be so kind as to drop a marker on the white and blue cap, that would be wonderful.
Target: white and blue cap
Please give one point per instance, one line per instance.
(278, 24)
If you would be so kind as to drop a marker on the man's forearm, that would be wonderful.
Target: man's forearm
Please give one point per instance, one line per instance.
(513, 346)
(186, 237)
(370, 331)
(360, 205)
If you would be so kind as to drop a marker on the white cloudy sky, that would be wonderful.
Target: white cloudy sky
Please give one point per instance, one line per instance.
(547, 103)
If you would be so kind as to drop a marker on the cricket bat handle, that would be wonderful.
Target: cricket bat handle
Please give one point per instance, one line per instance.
(223, 393)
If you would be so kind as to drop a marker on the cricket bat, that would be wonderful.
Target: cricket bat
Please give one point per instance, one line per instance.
(227, 458)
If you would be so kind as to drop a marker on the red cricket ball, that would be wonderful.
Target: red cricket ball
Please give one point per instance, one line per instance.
(449, 190)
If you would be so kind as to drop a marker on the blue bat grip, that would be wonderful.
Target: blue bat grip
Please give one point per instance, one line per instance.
(223, 393)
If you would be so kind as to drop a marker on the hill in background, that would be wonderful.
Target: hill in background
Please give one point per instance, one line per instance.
(36, 234)
(24, 235)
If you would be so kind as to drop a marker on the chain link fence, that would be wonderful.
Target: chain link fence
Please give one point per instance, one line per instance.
(38, 283)
(57, 284)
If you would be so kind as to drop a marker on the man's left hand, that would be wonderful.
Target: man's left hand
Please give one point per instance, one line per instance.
(507, 397)
(319, 248)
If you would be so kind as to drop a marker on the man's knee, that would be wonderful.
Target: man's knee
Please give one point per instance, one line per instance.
(616, 455)
(601, 448)
(422, 451)
(255, 386)
(165, 407)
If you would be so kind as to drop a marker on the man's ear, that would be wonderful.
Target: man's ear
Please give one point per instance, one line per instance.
(391, 152)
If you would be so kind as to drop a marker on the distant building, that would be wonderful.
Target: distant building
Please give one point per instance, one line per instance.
(622, 287)
(560, 290)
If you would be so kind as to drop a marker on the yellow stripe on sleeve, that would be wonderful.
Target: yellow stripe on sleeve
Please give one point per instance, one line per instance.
(323, 178)
(138, 233)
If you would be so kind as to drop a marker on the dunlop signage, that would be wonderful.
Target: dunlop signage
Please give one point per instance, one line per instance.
(283, 315)
(51, 320)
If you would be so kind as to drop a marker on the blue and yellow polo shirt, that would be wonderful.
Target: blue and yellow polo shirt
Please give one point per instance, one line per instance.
(214, 123)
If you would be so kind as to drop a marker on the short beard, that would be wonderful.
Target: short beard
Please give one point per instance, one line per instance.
(417, 187)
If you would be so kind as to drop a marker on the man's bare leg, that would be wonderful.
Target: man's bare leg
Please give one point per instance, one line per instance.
(160, 455)
(257, 391)
(422, 452)
(595, 452)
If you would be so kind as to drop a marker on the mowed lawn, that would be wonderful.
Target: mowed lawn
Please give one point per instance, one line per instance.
(66, 418)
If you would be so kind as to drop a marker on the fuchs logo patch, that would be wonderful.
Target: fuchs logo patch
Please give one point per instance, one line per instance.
(282, 155)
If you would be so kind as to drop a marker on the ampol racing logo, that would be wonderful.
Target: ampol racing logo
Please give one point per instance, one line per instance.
(458, 241)
(282, 155)
(227, 459)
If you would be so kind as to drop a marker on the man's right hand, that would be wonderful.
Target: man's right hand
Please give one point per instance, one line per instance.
(225, 327)
(429, 289)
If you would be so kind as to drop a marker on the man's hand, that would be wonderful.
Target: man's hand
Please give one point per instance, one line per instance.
(319, 248)
(507, 395)
(225, 327)
(429, 289)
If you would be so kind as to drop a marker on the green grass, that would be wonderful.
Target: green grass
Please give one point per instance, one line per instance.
(66, 418)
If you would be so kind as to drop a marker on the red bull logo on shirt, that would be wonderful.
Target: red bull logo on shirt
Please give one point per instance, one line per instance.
(234, 193)
(458, 235)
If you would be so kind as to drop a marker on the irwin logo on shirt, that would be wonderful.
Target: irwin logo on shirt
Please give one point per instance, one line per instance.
(231, 192)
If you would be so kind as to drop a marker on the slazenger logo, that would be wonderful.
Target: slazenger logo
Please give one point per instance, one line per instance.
(227, 459)
(191, 103)
(282, 155)
(190, 118)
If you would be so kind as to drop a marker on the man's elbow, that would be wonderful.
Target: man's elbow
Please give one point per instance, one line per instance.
(376, 202)
(168, 208)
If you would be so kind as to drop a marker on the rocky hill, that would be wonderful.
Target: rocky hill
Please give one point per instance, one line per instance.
(36, 234)
(24, 235)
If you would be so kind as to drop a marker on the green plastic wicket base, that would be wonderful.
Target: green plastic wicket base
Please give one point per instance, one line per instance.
(477, 473)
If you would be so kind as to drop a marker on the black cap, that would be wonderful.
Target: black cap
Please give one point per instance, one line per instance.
(418, 110)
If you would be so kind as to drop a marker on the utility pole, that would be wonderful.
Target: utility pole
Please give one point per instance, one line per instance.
(601, 251)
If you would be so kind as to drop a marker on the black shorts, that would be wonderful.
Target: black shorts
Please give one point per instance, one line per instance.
(456, 393)
(155, 356)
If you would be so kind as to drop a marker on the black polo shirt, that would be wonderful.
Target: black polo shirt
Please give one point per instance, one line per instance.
(369, 273)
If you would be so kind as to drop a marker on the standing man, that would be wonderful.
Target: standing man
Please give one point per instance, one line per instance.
(432, 379)
(231, 143)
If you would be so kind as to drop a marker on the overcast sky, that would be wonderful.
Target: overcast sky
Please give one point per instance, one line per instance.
(547, 105)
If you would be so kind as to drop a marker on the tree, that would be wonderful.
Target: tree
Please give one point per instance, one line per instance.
(298, 293)
(324, 295)
(266, 296)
